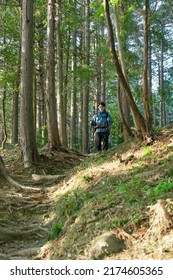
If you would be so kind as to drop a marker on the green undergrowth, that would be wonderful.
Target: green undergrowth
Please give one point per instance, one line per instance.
(101, 200)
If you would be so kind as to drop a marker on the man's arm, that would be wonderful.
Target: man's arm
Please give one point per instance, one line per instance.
(93, 121)
(109, 119)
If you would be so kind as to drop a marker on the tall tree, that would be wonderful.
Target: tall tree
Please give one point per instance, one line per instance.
(10, 65)
(73, 105)
(139, 121)
(123, 104)
(161, 83)
(27, 132)
(85, 131)
(61, 91)
(15, 112)
(40, 80)
(145, 84)
(51, 103)
(4, 90)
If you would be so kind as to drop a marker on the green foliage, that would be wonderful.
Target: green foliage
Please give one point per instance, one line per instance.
(42, 136)
(130, 191)
(55, 231)
(120, 138)
(74, 22)
(170, 171)
(69, 204)
(115, 136)
(120, 222)
(84, 73)
(87, 177)
(73, 18)
(147, 151)
(158, 190)
(114, 198)
(98, 8)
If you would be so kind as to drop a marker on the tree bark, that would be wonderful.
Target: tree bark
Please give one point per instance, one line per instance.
(15, 113)
(4, 93)
(27, 131)
(61, 91)
(161, 85)
(85, 130)
(139, 120)
(73, 122)
(146, 95)
(40, 86)
(53, 133)
(123, 105)
(4, 127)
(126, 129)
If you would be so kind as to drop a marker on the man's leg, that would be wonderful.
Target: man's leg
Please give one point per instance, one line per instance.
(105, 140)
(98, 141)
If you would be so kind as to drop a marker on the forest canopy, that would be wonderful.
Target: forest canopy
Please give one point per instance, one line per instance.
(59, 59)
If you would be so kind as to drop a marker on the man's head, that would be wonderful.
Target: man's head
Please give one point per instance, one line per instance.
(101, 106)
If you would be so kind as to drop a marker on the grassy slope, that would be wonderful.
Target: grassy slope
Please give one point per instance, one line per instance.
(101, 193)
(112, 190)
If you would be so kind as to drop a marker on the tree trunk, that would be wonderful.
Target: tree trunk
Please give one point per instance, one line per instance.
(103, 73)
(53, 134)
(150, 80)
(98, 93)
(61, 92)
(139, 120)
(145, 86)
(126, 129)
(79, 111)
(15, 113)
(4, 127)
(161, 86)
(85, 130)
(65, 88)
(73, 127)
(40, 91)
(4, 93)
(123, 105)
(27, 132)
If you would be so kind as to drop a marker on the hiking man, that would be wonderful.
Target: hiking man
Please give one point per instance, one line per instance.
(101, 123)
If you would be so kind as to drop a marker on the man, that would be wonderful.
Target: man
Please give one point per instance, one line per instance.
(101, 123)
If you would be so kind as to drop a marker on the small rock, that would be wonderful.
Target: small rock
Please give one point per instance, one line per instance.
(105, 245)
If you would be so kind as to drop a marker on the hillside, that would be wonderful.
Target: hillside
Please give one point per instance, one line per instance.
(128, 191)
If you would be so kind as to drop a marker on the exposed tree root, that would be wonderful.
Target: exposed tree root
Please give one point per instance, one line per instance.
(37, 177)
(3, 257)
(158, 238)
(11, 180)
(24, 253)
(161, 218)
(6, 176)
(11, 234)
(123, 235)
(26, 205)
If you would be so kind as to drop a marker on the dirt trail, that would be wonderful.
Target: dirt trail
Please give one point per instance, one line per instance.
(24, 221)
(25, 213)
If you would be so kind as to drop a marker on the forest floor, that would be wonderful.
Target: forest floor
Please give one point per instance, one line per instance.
(122, 190)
